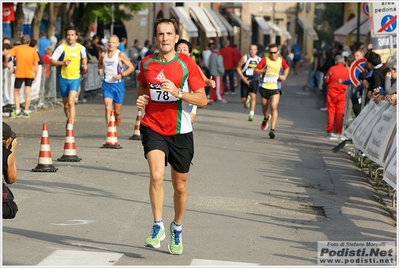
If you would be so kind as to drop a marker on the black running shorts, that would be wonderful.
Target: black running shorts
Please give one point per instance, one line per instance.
(178, 149)
(252, 87)
(19, 81)
(266, 93)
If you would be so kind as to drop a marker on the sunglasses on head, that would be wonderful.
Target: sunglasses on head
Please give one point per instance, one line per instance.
(273, 52)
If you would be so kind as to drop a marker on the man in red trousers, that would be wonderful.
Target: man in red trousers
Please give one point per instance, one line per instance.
(336, 97)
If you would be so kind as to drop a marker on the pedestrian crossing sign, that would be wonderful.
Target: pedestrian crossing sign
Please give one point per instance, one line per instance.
(384, 18)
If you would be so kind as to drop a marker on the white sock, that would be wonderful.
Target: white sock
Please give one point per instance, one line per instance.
(251, 112)
(177, 227)
(160, 223)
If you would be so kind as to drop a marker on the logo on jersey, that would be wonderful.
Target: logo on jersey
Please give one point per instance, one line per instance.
(160, 77)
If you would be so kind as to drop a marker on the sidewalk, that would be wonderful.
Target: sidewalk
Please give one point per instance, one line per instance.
(252, 199)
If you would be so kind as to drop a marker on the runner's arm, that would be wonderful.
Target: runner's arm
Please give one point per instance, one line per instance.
(125, 60)
(239, 71)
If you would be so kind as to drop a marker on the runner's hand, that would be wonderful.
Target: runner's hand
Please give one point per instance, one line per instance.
(142, 101)
(170, 87)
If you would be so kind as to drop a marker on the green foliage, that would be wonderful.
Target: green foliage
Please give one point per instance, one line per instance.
(103, 11)
(86, 13)
(334, 14)
(41, 5)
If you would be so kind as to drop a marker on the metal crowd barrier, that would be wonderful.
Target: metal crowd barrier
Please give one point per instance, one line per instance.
(373, 144)
(45, 92)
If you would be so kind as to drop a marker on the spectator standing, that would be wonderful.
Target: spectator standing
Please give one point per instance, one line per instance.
(46, 59)
(336, 97)
(27, 61)
(296, 49)
(33, 43)
(53, 41)
(144, 50)
(391, 76)
(273, 70)
(135, 52)
(166, 130)
(97, 47)
(285, 51)
(206, 53)
(315, 79)
(376, 81)
(249, 81)
(229, 65)
(122, 45)
(197, 55)
(111, 69)
(328, 63)
(73, 61)
(43, 43)
(151, 50)
(216, 70)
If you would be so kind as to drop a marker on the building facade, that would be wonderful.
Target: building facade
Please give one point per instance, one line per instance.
(242, 23)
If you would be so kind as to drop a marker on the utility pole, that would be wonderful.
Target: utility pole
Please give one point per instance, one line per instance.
(358, 24)
(112, 19)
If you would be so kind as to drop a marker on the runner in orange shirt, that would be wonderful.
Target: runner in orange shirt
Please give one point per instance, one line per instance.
(27, 62)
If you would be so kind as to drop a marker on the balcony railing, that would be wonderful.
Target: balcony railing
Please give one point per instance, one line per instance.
(230, 5)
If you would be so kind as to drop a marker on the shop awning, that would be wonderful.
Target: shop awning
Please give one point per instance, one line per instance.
(185, 21)
(342, 33)
(199, 15)
(217, 24)
(364, 32)
(262, 24)
(285, 32)
(227, 24)
(239, 23)
(304, 23)
(275, 28)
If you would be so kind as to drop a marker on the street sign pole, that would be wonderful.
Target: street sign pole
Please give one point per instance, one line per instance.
(391, 44)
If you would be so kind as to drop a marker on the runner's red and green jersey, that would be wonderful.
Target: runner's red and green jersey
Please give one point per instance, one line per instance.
(164, 113)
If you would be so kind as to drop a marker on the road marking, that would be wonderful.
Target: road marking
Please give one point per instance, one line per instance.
(200, 262)
(80, 258)
(302, 93)
(77, 222)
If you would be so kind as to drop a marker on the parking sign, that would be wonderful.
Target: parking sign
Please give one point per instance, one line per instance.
(384, 16)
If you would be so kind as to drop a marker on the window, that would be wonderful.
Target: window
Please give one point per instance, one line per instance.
(308, 6)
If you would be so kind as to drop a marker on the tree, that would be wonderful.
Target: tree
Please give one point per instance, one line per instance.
(52, 10)
(84, 14)
(333, 14)
(37, 18)
(19, 20)
(81, 15)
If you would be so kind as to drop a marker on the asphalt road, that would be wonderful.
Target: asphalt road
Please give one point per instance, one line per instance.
(252, 200)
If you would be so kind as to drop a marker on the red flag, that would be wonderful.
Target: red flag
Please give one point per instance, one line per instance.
(8, 12)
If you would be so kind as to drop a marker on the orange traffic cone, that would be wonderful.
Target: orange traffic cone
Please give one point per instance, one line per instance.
(112, 136)
(69, 145)
(45, 163)
(136, 133)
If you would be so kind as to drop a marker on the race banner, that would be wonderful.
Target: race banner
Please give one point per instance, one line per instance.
(348, 132)
(390, 167)
(368, 124)
(8, 12)
(8, 93)
(374, 111)
(377, 143)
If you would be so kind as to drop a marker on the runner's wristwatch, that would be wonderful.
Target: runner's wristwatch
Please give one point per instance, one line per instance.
(181, 92)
